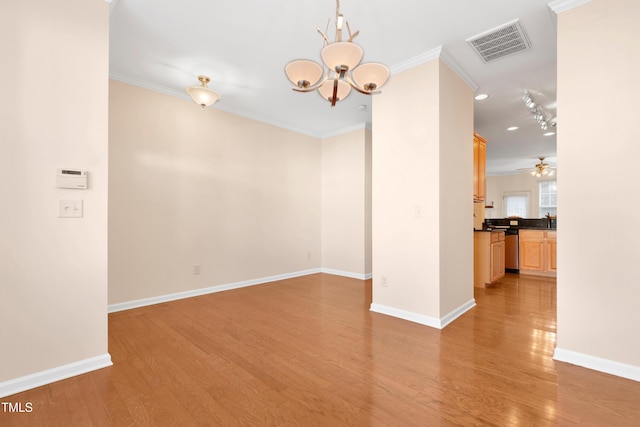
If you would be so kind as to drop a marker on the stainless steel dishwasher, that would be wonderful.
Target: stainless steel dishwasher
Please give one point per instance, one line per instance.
(511, 251)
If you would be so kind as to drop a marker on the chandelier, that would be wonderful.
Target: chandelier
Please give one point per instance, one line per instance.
(541, 115)
(341, 71)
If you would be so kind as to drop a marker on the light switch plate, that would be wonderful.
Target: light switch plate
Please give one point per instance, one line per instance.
(69, 208)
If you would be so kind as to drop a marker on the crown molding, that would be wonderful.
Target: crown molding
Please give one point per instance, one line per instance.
(560, 6)
(435, 53)
(336, 132)
(416, 60)
(114, 75)
(446, 57)
(143, 84)
(112, 5)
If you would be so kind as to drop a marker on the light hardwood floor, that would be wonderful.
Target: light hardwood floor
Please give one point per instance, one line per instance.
(307, 352)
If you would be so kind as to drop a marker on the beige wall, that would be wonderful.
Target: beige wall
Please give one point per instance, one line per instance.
(53, 114)
(368, 263)
(346, 192)
(524, 182)
(422, 194)
(455, 191)
(192, 186)
(598, 292)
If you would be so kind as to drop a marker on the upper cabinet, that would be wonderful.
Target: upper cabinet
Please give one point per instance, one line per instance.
(479, 167)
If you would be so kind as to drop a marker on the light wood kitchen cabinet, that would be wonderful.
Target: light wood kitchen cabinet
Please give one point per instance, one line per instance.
(552, 246)
(479, 167)
(497, 256)
(488, 257)
(538, 252)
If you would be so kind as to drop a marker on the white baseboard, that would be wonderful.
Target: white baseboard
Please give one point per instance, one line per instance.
(128, 305)
(359, 276)
(204, 291)
(454, 314)
(49, 376)
(405, 315)
(597, 364)
(422, 319)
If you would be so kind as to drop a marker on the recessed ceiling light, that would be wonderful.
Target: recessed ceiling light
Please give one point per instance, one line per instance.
(549, 133)
(481, 96)
(513, 128)
(362, 107)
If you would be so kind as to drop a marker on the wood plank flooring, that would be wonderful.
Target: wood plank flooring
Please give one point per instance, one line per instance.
(307, 352)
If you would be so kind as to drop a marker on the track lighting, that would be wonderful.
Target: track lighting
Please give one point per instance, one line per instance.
(541, 115)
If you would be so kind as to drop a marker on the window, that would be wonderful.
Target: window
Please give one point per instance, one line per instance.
(516, 204)
(548, 198)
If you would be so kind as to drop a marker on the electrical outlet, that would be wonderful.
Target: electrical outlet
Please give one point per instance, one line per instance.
(196, 268)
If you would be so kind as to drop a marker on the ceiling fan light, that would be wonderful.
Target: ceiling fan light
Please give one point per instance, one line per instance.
(202, 95)
(370, 76)
(326, 90)
(338, 54)
(303, 72)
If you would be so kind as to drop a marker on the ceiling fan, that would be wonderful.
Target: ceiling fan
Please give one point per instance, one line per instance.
(540, 169)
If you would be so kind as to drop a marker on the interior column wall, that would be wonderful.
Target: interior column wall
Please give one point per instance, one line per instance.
(598, 62)
(456, 192)
(423, 195)
(53, 113)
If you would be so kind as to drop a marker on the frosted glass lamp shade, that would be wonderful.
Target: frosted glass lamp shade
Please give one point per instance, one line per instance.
(370, 76)
(326, 90)
(202, 95)
(303, 73)
(341, 53)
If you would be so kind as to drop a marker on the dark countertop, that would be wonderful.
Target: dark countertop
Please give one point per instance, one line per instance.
(520, 228)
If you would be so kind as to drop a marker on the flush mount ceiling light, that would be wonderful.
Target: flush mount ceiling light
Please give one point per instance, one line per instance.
(341, 71)
(541, 115)
(202, 95)
(481, 96)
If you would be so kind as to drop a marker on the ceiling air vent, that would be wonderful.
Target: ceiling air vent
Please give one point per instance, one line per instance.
(500, 42)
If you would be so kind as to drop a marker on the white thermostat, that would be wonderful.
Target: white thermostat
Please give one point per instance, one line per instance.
(71, 178)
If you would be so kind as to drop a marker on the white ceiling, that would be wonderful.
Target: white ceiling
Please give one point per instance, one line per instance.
(243, 46)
